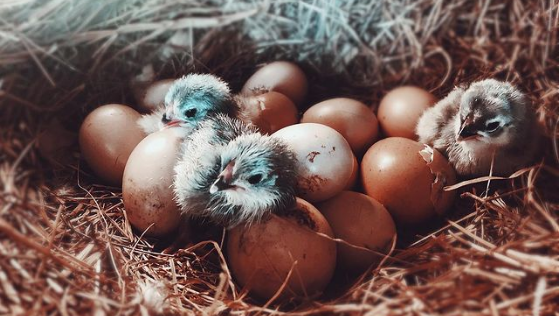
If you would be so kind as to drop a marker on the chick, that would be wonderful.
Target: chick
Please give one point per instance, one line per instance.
(189, 101)
(231, 174)
(488, 121)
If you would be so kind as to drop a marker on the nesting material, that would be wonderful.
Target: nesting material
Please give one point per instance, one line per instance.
(66, 246)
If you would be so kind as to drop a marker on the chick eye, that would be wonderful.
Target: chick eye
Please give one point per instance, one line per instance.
(491, 127)
(255, 179)
(190, 113)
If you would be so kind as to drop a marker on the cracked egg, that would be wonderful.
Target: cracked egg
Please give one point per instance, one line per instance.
(292, 252)
(408, 178)
(280, 76)
(270, 111)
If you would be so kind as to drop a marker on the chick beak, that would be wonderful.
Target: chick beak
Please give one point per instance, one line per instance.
(173, 123)
(168, 119)
(224, 179)
(467, 130)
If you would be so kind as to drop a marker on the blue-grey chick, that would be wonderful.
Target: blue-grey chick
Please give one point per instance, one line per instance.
(231, 174)
(189, 101)
(472, 125)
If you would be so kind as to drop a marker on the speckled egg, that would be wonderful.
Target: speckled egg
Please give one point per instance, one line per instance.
(324, 159)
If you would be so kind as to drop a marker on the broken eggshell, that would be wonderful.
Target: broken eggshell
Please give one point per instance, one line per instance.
(296, 244)
(269, 111)
(325, 160)
(408, 178)
(280, 76)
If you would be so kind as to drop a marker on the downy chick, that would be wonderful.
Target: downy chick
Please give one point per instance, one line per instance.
(488, 121)
(189, 101)
(231, 174)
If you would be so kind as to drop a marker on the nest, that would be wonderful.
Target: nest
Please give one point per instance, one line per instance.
(67, 248)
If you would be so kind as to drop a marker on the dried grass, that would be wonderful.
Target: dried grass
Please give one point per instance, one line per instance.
(66, 246)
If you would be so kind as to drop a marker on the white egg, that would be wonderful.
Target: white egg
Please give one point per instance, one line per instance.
(325, 159)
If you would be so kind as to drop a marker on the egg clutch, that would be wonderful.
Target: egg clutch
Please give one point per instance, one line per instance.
(352, 186)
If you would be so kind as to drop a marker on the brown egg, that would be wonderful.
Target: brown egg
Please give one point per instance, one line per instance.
(353, 119)
(262, 255)
(147, 183)
(270, 111)
(280, 76)
(364, 225)
(107, 137)
(400, 110)
(324, 159)
(352, 182)
(55, 143)
(408, 178)
(153, 96)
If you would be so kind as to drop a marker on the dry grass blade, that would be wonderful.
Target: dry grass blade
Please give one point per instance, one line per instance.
(66, 246)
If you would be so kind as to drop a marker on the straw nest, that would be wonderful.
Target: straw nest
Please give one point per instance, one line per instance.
(67, 248)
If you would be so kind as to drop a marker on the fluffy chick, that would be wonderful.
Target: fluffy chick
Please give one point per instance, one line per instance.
(472, 125)
(231, 174)
(189, 101)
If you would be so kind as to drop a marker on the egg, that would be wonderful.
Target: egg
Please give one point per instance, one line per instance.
(408, 178)
(270, 111)
(147, 183)
(153, 96)
(280, 76)
(107, 137)
(352, 182)
(353, 119)
(364, 225)
(299, 241)
(56, 142)
(400, 110)
(324, 159)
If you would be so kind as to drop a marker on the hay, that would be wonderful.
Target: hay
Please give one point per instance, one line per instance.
(67, 248)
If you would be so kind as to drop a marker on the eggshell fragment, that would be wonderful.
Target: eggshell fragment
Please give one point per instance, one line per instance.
(400, 110)
(351, 118)
(153, 96)
(107, 137)
(270, 111)
(148, 177)
(408, 178)
(365, 227)
(280, 76)
(296, 245)
(325, 159)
